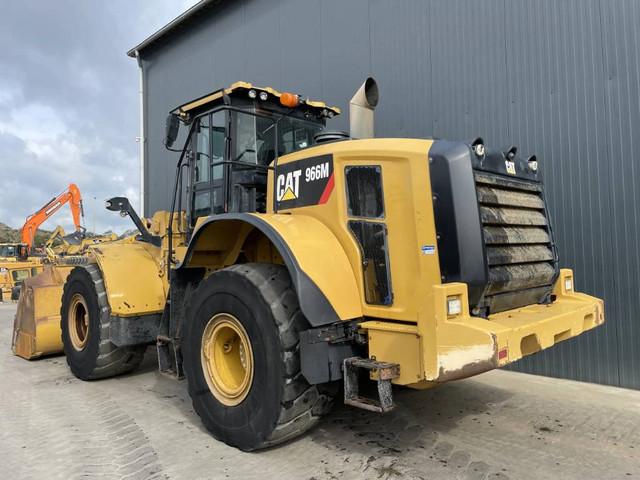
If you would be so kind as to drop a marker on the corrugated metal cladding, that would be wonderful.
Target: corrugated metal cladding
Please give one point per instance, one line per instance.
(558, 79)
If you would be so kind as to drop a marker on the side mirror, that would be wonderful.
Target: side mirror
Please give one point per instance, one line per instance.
(171, 130)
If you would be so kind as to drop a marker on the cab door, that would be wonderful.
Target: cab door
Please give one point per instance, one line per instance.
(207, 166)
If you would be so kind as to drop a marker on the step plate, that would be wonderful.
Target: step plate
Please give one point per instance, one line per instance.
(382, 372)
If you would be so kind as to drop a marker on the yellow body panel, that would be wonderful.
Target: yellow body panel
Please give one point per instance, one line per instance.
(322, 258)
(396, 343)
(408, 216)
(457, 347)
(134, 277)
(313, 245)
(134, 272)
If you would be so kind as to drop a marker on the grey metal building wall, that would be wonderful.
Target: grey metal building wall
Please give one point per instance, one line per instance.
(558, 78)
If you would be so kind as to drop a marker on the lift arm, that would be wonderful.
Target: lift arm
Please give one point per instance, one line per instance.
(72, 196)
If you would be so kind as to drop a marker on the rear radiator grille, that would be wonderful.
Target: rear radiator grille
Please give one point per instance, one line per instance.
(518, 243)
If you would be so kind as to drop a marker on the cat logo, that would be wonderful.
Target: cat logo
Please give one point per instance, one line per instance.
(304, 182)
(288, 186)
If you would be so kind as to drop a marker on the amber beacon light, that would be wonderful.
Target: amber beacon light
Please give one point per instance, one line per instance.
(290, 100)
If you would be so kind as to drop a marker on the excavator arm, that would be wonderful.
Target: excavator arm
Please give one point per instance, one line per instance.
(71, 196)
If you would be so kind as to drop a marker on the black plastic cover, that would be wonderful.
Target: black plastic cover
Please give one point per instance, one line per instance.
(458, 229)
(493, 226)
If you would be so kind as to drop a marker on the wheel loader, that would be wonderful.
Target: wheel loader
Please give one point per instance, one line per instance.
(16, 265)
(13, 272)
(299, 264)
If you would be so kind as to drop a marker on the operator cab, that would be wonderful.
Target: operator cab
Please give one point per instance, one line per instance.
(235, 137)
(16, 251)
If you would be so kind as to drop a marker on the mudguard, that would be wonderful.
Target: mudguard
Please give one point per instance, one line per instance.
(319, 267)
(134, 277)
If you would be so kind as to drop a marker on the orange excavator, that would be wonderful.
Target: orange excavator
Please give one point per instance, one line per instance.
(17, 263)
(72, 196)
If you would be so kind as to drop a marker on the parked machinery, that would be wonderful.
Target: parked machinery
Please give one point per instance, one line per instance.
(20, 261)
(36, 329)
(71, 196)
(294, 258)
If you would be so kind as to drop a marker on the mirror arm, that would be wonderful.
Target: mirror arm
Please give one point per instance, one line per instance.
(122, 205)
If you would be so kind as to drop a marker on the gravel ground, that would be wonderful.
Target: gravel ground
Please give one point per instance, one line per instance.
(500, 425)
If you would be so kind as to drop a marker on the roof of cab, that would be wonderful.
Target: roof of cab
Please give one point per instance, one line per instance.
(185, 109)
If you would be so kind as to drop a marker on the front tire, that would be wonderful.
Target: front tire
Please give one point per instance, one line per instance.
(241, 358)
(84, 321)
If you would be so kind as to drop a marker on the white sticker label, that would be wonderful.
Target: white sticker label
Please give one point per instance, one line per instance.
(428, 249)
(511, 167)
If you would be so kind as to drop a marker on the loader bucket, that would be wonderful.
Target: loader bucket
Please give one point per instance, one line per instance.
(36, 327)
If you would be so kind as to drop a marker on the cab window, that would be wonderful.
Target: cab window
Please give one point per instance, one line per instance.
(201, 171)
(365, 206)
(20, 275)
(208, 147)
(253, 151)
(296, 134)
(7, 251)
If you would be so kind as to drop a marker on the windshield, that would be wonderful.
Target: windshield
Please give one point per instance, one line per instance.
(255, 137)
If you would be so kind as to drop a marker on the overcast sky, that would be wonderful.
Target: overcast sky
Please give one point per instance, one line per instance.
(69, 103)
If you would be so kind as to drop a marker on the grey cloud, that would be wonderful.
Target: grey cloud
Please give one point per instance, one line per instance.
(68, 102)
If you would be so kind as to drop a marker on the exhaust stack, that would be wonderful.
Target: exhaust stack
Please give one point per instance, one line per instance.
(361, 107)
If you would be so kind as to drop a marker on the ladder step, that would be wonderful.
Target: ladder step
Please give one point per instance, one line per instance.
(381, 372)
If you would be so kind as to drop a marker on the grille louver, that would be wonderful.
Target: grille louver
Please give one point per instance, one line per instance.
(518, 243)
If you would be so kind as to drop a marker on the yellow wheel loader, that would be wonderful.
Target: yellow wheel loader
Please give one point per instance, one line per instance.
(14, 272)
(16, 266)
(295, 258)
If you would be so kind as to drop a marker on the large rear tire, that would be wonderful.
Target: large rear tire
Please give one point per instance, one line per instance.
(241, 357)
(84, 321)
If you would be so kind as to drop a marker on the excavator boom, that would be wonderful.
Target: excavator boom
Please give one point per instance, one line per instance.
(71, 195)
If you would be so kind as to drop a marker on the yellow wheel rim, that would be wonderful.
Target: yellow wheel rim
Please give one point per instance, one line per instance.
(78, 322)
(227, 359)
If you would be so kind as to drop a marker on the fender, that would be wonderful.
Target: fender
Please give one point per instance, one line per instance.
(133, 278)
(320, 270)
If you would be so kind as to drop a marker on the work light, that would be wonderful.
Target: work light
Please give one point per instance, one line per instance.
(568, 284)
(454, 306)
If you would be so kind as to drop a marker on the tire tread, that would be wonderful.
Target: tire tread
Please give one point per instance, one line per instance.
(111, 360)
(302, 405)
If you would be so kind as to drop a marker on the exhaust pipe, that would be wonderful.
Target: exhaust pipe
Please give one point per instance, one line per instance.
(361, 107)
